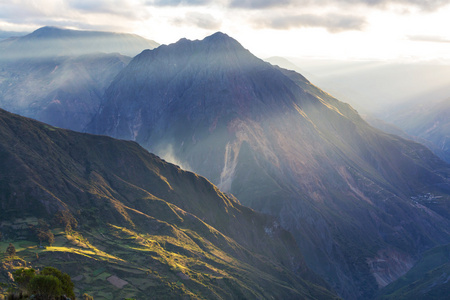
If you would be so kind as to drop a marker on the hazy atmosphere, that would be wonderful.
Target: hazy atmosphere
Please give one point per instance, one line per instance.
(339, 29)
(197, 149)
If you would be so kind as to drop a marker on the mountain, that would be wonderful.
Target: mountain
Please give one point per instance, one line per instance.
(58, 76)
(48, 42)
(427, 120)
(146, 228)
(415, 117)
(429, 279)
(392, 129)
(376, 87)
(284, 147)
(285, 64)
(10, 34)
(65, 92)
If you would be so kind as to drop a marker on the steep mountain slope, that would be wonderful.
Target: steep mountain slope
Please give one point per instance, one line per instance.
(416, 118)
(426, 120)
(58, 76)
(376, 87)
(144, 221)
(284, 147)
(429, 279)
(392, 129)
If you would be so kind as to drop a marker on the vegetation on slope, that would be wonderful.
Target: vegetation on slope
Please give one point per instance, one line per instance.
(428, 279)
(282, 146)
(144, 227)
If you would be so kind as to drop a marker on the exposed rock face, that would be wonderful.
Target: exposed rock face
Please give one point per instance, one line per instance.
(284, 147)
(387, 266)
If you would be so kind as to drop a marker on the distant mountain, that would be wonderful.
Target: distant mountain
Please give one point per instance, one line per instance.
(392, 129)
(351, 195)
(11, 34)
(414, 118)
(146, 228)
(426, 120)
(63, 92)
(284, 63)
(376, 87)
(50, 42)
(58, 76)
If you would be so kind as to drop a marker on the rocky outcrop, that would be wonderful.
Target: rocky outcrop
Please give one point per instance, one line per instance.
(389, 265)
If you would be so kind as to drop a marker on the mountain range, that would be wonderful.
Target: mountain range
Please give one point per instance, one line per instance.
(158, 230)
(58, 76)
(48, 42)
(284, 147)
(363, 206)
(427, 120)
(11, 34)
(409, 100)
(376, 86)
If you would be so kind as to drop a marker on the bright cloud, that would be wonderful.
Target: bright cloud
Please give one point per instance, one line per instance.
(331, 28)
(200, 20)
(332, 22)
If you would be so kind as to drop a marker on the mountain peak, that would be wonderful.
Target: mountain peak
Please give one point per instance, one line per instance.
(48, 28)
(222, 39)
(215, 51)
(46, 31)
(218, 36)
(215, 42)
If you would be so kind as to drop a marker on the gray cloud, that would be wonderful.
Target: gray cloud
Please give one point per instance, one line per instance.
(427, 5)
(428, 38)
(64, 23)
(332, 22)
(259, 4)
(67, 13)
(14, 11)
(204, 21)
(178, 2)
(116, 7)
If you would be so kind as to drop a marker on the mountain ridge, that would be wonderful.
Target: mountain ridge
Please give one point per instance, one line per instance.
(58, 76)
(166, 224)
(50, 41)
(427, 121)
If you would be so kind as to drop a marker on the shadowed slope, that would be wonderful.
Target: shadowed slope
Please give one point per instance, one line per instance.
(143, 216)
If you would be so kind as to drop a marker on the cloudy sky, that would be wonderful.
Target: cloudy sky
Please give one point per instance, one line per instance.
(338, 29)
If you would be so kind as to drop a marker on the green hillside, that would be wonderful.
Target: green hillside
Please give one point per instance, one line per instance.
(428, 279)
(144, 228)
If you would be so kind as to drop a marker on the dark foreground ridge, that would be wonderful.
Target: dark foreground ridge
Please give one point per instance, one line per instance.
(124, 223)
